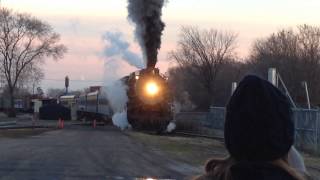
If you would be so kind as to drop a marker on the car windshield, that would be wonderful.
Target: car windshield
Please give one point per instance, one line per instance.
(159, 89)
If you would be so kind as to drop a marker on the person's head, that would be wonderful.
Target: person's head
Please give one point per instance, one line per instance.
(259, 131)
(258, 124)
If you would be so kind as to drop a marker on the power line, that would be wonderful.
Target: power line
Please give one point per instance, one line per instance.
(74, 80)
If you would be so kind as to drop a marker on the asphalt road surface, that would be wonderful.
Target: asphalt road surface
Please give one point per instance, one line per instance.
(85, 153)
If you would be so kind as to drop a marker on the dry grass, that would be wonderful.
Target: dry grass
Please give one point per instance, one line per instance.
(20, 133)
(195, 151)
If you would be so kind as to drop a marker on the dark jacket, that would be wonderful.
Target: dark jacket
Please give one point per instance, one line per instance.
(253, 171)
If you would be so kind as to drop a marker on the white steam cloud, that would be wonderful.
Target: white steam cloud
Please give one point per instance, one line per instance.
(171, 127)
(120, 61)
(118, 46)
(120, 120)
(116, 94)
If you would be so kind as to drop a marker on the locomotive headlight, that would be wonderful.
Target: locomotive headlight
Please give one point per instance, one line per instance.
(152, 88)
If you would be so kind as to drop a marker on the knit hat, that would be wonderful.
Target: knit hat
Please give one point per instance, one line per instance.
(258, 125)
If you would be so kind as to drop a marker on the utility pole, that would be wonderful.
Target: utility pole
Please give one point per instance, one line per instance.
(286, 90)
(274, 78)
(305, 85)
(33, 88)
(233, 87)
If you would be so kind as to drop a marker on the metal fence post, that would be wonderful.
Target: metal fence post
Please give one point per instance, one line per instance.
(295, 125)
(317, 131)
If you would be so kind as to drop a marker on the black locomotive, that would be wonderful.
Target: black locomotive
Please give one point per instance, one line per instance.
(149, 104)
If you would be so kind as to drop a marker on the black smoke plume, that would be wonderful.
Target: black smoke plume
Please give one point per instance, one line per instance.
(146, 14)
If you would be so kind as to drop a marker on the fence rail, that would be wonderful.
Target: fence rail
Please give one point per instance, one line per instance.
(307, 125)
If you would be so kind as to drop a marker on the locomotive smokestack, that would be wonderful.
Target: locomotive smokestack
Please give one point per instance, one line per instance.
(146, 14)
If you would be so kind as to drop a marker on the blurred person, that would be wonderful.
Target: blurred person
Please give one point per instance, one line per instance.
(259, 134)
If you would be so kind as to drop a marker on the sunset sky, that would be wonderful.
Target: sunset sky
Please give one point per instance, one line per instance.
(82, 23)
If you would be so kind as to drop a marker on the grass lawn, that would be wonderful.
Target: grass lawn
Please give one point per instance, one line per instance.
(196, 150)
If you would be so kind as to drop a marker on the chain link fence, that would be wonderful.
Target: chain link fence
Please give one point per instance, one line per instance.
(307, 125)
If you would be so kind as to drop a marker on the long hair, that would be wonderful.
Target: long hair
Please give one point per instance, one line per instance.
(283, 163)
(220, 169)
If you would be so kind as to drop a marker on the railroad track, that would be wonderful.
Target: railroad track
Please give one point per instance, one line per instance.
(316, 168)
(186, 134)
(190, 134)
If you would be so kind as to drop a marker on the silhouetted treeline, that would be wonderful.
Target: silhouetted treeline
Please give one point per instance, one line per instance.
(294, 52)
(181, 80)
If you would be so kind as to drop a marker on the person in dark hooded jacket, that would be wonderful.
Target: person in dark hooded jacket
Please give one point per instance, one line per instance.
(258, 132)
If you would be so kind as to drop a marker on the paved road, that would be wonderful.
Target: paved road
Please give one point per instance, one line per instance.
(84, 153)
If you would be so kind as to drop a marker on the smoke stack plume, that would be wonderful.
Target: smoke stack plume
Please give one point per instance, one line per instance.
(146, 14)
(118, 46)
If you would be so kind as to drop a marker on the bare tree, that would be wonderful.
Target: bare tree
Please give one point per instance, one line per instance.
(30, 78)
(204, 51)
(55, 92)
(296, 55)
(24, 41)
(180, 80)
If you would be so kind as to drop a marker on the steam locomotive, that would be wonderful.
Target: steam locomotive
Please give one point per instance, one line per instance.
(149, 101)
